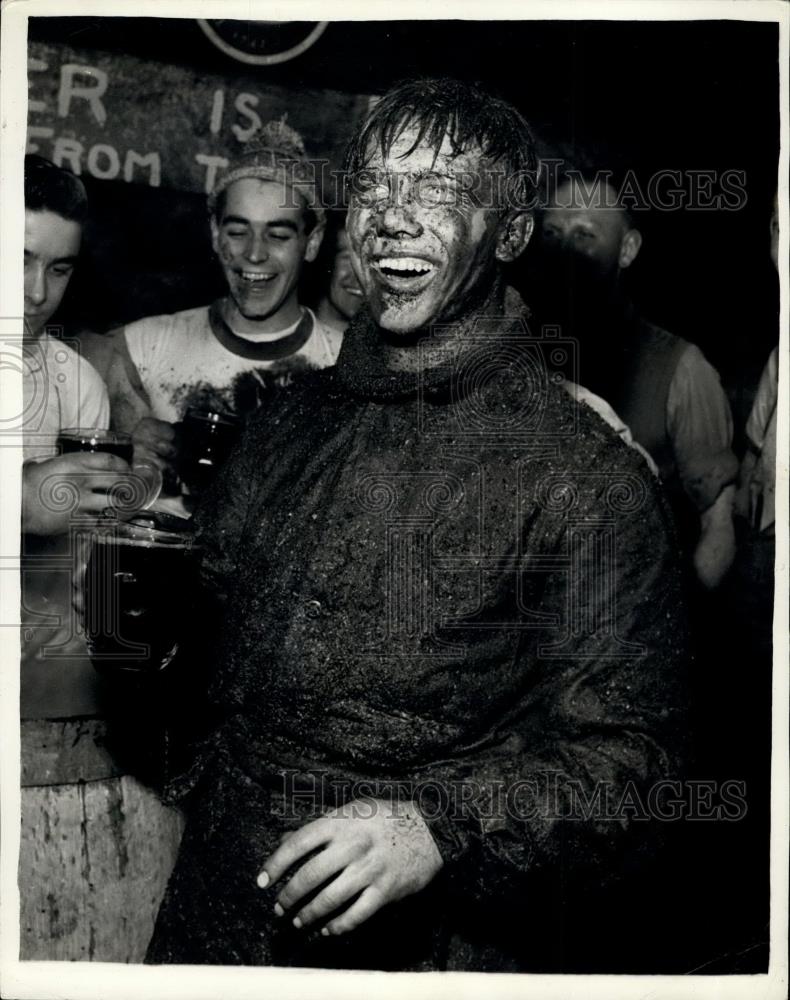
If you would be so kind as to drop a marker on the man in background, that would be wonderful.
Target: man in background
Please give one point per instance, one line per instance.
(266, 223)
(660, 385)
(756, 500)
(341, 295)
(96, 845)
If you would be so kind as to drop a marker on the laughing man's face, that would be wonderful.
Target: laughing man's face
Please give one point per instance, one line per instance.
(261, 242)
(423, 232)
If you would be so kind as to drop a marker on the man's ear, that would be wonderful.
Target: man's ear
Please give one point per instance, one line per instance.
(314, 242)
(629, 248)
(514, 232)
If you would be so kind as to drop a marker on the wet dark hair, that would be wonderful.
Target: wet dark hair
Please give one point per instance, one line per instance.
(53, 189)
(466, 113)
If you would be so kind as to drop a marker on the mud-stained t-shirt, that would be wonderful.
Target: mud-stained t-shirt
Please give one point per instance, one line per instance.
(192, 358)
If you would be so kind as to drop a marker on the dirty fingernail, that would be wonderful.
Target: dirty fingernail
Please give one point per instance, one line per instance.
(297, 923)
(279, 910)
(263, 880)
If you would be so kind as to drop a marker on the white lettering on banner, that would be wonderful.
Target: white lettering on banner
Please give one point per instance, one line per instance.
(244, 104)
(112, 167)
(152, 160)
(92, 94)
(103, 161)
(212, 164)
(68, 150)
(98, 116)
(37, 132)
(217, 109)
(35, 66)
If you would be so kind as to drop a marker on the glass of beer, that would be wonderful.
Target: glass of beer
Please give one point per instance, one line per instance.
(139, 583)
(140, 489)
(207, 438)
(93, 439)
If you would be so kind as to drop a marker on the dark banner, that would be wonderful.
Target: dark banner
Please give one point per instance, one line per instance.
(115, 117)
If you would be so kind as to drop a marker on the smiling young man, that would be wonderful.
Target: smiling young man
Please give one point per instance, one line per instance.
(404, 706)
(265, 225)
(101, 827)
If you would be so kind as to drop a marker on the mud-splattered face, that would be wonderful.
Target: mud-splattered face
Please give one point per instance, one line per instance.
(51, 247)
(261, 242)
(344, 291)
(423, 233)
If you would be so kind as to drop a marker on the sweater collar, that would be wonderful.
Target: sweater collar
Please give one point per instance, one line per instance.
(362, 371)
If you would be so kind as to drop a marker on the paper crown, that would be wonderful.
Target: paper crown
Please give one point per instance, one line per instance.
(274, 153)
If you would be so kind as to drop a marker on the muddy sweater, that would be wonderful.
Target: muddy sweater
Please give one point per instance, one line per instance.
(457, 587)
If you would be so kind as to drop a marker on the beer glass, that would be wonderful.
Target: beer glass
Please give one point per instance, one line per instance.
(93, 439)
(139, 490)
(207, 438)
(139, 584)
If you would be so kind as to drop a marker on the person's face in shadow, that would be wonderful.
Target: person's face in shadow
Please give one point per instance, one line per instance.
(585, 243)
(345, 295)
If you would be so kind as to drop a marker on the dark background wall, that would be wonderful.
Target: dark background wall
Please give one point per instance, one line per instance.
(653, 95)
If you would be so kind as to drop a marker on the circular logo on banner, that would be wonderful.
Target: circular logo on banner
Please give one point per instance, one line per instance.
(263, 43)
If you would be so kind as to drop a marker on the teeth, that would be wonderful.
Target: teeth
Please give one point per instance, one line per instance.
(256, 276)
(408, 265)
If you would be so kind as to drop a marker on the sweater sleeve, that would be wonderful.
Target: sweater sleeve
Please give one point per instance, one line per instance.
(565, 787)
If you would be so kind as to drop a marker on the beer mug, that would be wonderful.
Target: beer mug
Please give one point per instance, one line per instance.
(207, 438)
(139, 583)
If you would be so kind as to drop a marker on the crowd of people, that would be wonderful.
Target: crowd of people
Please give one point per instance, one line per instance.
(444, 598)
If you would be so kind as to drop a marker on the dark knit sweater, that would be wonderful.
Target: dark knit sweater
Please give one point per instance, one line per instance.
(456, 587)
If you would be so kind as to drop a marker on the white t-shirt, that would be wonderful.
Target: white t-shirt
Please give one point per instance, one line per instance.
(185, 359)
(60, 389)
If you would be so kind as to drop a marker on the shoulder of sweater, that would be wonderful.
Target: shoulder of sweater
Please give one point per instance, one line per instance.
(309, 392)
(586, 439)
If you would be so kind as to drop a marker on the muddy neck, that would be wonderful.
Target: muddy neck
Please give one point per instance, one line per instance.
(424, 351)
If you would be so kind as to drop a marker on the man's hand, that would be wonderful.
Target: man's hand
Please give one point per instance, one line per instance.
(60, 488)
(155, 443)
(375, 852)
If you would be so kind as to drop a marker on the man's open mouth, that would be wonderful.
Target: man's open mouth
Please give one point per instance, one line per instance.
(404, 273)
(255, 277)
